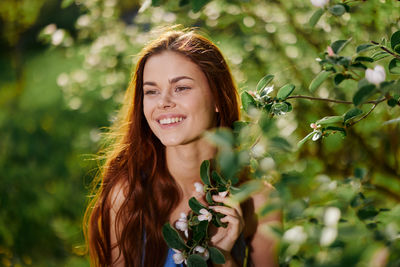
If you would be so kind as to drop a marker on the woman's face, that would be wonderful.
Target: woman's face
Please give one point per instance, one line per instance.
(177, 102)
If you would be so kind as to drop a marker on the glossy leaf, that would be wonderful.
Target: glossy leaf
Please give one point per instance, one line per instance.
(318, 80)
(217, 178)
(394, 66)
(315, 17)
(379, 55)
(337, 10)
(364, 47)
(196, 260)
(395, 39)
(216, 256)
(247, 101)
(339, 78)
(365, 59)
(330, 119)
(264, 82)
(285, 91)
(338, 45)
(195, 205)
(197, 5)
(363, 94)
(352, 113)
(205, 172)
(172, 238)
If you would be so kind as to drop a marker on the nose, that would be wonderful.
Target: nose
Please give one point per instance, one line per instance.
(166, 101)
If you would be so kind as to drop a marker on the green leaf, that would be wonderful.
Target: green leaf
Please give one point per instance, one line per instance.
(247, 101)
(302, 141)
(209, 198)
(338, 45)
(364, 47)
(379, 55)
(352, 113)
(200, 231)
(195, 205)
(330, 119)
(197, 5)
(336, 129)
(172, 238)
(280, 108)
(363, 94)
(358, 65)
(216, 256)
(183, 3)
(285, 91)
(155, 2)
(366, 59)
(394, 66)
(222, 137)
(217, 178)
(264, 82)
(337, 10)
(392, 102)
(66, 3)
(395, 40)
(196, 260)
(318, 80)
(246, 190)
(205, 172)
(339, 78)
(367, 212)
(268, 208)
(397, 48)
(315, 17)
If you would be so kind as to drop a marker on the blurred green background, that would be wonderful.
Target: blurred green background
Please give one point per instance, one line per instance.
(64, 68)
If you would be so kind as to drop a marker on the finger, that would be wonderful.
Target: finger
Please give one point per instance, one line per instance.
(225, 210)
(236, 224)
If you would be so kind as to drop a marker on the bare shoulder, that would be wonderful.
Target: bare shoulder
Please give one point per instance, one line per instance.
(117, 196)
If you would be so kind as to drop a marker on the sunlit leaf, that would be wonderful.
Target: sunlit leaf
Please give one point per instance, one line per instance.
(338, 45)
(285, 91)
(352, 113)
(395, 40)
(394, 66)
(364, 47)
(330, 119)
(264, 82)
(316, 16)
(247, 101)
(318, 80)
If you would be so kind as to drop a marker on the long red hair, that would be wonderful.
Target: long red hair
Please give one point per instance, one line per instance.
(136, 160)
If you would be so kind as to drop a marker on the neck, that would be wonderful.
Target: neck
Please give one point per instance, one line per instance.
(184, 162)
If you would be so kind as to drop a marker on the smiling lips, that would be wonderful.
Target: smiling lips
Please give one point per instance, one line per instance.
(171, 120)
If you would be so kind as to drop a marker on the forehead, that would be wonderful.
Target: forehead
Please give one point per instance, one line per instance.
(168, 65)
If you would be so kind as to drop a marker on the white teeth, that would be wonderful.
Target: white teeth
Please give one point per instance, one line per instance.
(170, 120)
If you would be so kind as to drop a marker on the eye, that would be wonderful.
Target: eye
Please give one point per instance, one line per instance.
(181, 88)
(150, 92)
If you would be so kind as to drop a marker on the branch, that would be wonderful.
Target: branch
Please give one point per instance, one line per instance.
(376, 102)
(386, 50)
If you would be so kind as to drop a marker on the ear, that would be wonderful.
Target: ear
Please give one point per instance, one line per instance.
(216, 109)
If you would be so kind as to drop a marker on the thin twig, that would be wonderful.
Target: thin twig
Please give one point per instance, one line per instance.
(386, 50)
(334, 100)
(363, 117)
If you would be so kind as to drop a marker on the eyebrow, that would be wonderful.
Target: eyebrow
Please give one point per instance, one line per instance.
(173, 80)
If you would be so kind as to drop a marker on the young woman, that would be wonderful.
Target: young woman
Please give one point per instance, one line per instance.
(181, 88)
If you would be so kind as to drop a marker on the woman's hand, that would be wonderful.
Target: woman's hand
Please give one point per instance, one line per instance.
(225, 238)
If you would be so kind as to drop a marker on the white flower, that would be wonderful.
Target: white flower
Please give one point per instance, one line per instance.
(295, 235)
(178, 257)
(376, 75)
(319, 3)
(182, 224)
(57, 37)
(205, 215)
(332, 216)
(317, 135)
(223, 194)
(50, 29)
(199, 187)
(328, 235)
(204, 252)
